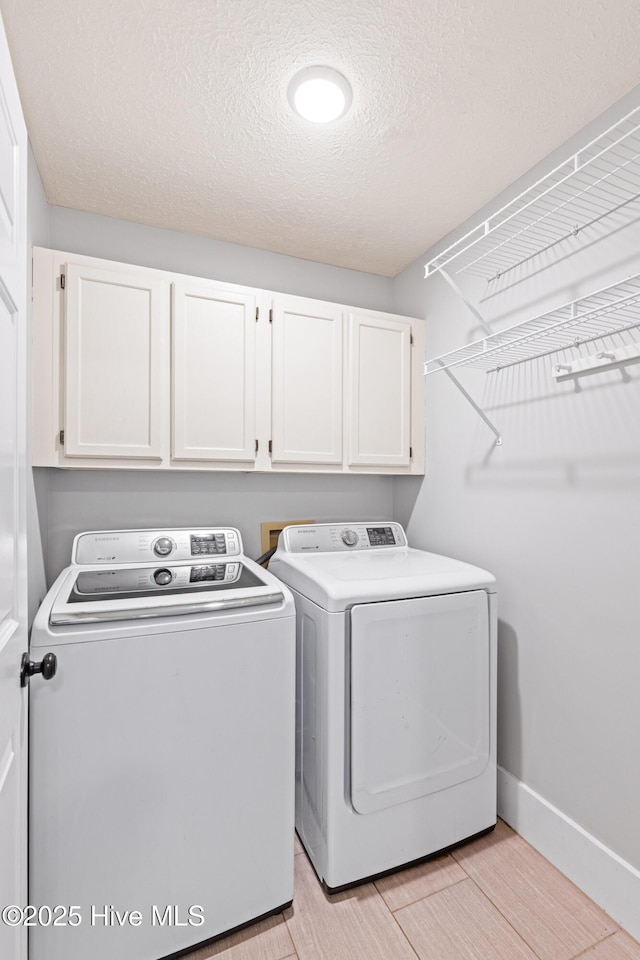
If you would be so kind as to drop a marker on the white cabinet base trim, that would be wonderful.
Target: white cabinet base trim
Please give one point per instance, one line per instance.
(604, 876)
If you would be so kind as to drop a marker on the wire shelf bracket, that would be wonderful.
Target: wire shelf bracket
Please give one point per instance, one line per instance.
(479, 410)
(474, 310)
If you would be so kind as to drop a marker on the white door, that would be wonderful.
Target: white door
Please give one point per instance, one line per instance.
(420, 715)
(307, 373)
(13, 576)
(380, 390)
(213, 373)
(116, 362)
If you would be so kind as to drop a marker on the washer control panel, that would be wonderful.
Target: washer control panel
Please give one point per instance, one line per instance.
(332, 537)
(143, 546)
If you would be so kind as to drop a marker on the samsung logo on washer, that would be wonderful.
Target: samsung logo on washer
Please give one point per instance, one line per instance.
(100, 539)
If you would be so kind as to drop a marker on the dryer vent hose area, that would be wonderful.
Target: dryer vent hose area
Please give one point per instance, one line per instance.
(264, 559)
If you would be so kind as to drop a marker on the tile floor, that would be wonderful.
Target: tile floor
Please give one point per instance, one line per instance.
(493, 899)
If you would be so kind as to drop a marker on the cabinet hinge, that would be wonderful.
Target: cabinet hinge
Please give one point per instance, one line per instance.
(257, 445)
(61, 438)
(411, 339)
(63, 280)
(271, 316)
(410, 453)
(270, 446)
(257, 314)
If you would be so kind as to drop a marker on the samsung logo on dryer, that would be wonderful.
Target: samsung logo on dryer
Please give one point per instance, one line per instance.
(100, 539)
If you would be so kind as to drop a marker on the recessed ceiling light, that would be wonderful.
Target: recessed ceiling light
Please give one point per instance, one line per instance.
(320, 94)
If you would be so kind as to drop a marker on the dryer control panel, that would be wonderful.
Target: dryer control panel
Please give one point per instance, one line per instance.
(143, 546)
(334, 537)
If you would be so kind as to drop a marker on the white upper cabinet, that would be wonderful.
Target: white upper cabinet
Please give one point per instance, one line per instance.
(115, 358)
(213, 372)
(307, 377)
(379, 379)
(135, 367)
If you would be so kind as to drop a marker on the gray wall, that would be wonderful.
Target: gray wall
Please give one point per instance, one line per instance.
(72, 501)
(555, 514)
(97, 236)
(96, 499)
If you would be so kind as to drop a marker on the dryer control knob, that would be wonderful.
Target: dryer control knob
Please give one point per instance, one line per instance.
(162, 547)
(163, 577)
(349, 537)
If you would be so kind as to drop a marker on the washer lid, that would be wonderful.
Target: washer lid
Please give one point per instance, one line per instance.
(335, 581)
(94, 594)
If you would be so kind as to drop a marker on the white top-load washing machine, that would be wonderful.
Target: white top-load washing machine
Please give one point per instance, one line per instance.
(396, 698)
(162, 750)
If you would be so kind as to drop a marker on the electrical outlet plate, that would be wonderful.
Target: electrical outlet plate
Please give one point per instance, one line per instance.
(271, 530)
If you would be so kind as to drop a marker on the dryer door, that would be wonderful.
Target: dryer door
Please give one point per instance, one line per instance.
(419, 697)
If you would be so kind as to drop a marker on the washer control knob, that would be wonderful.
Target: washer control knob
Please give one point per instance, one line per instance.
(163, 577)
(349, 537)
(162, 547)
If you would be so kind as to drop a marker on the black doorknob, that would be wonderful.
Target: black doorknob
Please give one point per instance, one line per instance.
(47, 667)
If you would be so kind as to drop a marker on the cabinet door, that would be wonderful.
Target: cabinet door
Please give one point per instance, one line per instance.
(307, 373)
(213, 367)
(116, 339)
(379, 390)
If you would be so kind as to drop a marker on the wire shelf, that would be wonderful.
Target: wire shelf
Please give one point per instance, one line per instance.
(602, 178)
(613, 309)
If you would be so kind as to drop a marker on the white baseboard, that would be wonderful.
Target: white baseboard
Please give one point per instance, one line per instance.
(604, 876)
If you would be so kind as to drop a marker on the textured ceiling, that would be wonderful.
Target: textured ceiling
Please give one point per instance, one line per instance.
(174, 112)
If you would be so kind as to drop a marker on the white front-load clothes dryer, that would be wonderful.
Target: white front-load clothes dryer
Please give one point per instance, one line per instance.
(396, 698)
